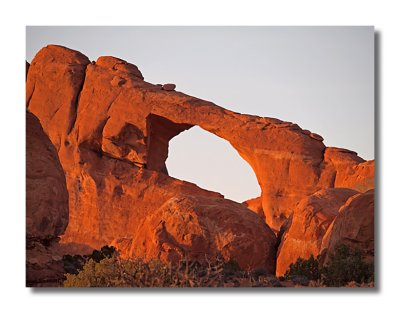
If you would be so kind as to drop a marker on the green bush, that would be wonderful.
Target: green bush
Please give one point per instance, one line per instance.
(104, 252)
(89, 276)
(308, 268)
(231, 268)
(347, 265)
(114, 272)
(75, 263)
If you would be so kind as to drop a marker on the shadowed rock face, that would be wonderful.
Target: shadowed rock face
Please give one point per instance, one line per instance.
(46, 191)
(111, 130)
(46, 207)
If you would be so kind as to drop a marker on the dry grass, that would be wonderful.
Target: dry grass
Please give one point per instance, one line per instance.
(116, 272)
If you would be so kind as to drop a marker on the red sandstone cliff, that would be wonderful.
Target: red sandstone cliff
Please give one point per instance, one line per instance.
(111, 130)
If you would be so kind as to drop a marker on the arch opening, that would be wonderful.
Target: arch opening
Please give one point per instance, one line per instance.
(200, 157)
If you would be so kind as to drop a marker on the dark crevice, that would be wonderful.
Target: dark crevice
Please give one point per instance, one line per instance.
(99, 131)
(333, 182)
(55, 112)
(283, 229)
(321, 165)
(110, 156)
(324, 165)
(31, 95)
(75, 102)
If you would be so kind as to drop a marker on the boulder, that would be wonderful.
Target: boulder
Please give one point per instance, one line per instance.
(360, 177)
(46, 208)
(46, 191)
(316, 137)
(353, 227)
(118, 65)
(311, 219)
(169, 87)
(200, 228)
(343, 168)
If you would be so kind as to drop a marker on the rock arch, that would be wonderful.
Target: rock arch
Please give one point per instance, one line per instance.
(111, 129)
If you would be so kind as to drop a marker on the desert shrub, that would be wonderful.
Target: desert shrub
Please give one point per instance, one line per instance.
(135, 272)
(256, 273)
(104, 268)
(346, 265)
(308, 268)
(96, 274)
(231, 268)
(114, 272)
(73, 263)
(103, 253)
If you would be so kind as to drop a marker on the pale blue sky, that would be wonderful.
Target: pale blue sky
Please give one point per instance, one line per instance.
(321, 78)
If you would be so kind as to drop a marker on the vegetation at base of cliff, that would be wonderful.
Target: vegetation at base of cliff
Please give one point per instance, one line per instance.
(75, 263)
(104, 268)
(113, 271)
(307, 268)
(345, 267)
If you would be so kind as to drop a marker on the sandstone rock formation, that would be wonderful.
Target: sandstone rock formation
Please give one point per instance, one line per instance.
(46, 207)
(188, 226)
(169, 87)
(255, 205)
(311, 218)
(113, 151)
(111, 130)
(353, 226)
(342, 168)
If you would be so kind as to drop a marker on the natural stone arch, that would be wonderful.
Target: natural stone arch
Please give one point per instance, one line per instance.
(160, 131)
(88, 106)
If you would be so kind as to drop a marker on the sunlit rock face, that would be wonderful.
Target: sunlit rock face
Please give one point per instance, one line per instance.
(353, 226)
(111, 130)
(308, 225)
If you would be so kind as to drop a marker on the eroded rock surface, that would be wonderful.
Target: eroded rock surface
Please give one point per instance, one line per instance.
(111, 130)
(342, 168)
(197, 227)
